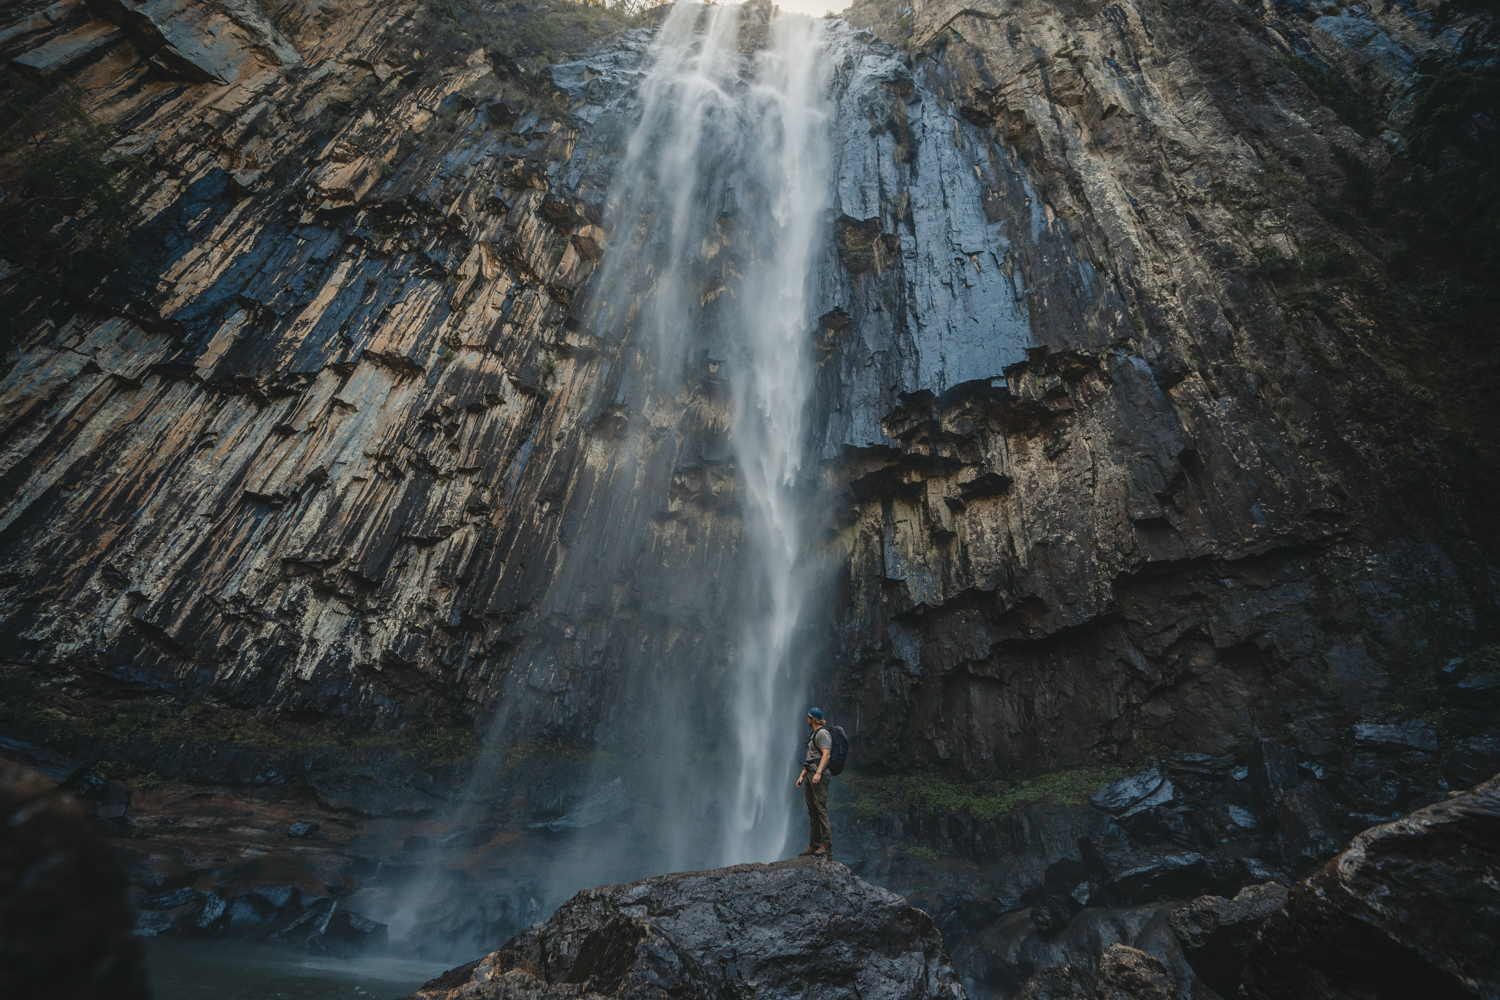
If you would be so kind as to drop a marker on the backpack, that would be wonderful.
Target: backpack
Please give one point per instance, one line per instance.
(840, 754)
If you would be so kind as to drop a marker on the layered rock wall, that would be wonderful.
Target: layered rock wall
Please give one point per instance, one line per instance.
(336, 440)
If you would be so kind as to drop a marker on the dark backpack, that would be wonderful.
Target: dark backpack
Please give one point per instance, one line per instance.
(838, 753)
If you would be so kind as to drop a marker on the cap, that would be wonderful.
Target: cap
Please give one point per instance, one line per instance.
(816, 713)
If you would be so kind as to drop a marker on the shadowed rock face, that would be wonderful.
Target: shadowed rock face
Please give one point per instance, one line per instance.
(336, 440)
(1410, 908)
(762, 930)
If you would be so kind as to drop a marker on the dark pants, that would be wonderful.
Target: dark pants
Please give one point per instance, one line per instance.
(816, 793)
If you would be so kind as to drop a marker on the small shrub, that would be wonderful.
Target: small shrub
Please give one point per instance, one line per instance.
(67, 190)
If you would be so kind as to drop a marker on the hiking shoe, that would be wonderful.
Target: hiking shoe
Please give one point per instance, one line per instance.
(822, 852)
(808, 853)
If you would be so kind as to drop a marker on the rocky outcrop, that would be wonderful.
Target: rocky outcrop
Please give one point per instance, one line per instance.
(1216, 932)
(65, 925)
(766, 930)
(1408, 909)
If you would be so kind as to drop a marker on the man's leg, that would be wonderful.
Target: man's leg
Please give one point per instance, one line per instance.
(808, 794)
(822, 833)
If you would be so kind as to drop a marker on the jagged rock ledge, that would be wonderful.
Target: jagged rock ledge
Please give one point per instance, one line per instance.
(761, 930)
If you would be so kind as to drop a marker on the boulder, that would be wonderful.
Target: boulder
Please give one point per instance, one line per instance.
(64, 920)
(1410, 909)
(1149, 874)
(1216, 932)
(1124, 973)
(1013, 948)
(762, 930)
(1135, 793)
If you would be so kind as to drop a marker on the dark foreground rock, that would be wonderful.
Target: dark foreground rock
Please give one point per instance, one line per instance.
(1124, 973)
(762, 930)
(1216, 932)
(1411, 908)
(64, 921)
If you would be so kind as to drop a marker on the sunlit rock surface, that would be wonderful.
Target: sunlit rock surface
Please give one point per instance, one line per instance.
(763, 930)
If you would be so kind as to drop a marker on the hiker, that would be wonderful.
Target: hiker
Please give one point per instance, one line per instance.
(813, 780)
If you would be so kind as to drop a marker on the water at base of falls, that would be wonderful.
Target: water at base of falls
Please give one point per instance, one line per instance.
(188, 969)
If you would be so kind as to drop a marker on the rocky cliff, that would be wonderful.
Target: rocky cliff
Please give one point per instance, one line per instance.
(1099, 478)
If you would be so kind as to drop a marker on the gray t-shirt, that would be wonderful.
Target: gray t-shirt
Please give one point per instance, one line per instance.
(819, 741)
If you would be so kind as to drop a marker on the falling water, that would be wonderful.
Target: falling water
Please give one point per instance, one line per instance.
(725, 189)
(715, 224)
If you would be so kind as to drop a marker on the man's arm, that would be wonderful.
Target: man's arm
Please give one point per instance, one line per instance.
(818, 774)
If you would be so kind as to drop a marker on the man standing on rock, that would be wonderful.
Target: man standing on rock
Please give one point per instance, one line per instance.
(814, 785)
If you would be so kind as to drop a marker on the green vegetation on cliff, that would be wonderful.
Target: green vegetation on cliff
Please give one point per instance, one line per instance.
(985, 801)
(66, 189)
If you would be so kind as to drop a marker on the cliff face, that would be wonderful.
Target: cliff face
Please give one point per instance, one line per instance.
(1167, 526)
(337, 440)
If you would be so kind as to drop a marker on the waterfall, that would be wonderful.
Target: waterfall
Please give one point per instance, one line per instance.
(717, 217)
(716, 223)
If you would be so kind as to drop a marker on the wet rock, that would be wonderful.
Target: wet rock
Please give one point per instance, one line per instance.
(1310, 826)
(1273, 772)
(202, 40)
(1003, 956)
(1124, 973)
(1406, 736)
(973, 375)
(53, 766)
(1473, 760)
(771, 928)
(1150, 874)
(65, 926)
(302, 829)
(1482, 689)
(1216, 932)
(600, 805)
(1052, 913)
(1134, 794)
(1409, 909)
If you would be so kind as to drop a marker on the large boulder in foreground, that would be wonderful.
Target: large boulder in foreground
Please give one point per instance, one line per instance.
(766, 931)
(64, 920)
(1410, 909)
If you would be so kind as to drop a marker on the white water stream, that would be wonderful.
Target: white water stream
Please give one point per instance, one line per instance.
(731, 156)
(716, 220)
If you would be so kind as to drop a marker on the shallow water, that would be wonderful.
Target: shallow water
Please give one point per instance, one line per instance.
(184, 969)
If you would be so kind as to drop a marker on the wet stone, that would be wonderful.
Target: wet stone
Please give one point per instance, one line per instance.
(1413, 735)
(710, 934)
(1134, 794)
